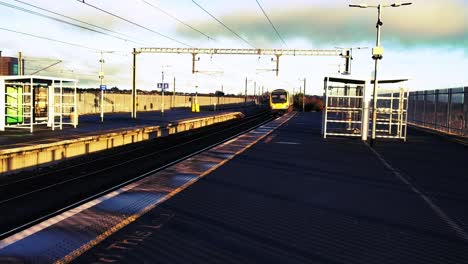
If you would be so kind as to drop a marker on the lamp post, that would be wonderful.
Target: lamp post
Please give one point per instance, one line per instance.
(196, 95)
(163, 89)
(377, 54)
(101, 77)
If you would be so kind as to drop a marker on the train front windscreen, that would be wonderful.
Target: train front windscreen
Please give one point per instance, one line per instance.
(278, 98)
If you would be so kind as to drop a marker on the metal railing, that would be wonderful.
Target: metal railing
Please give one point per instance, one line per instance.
(444, 110)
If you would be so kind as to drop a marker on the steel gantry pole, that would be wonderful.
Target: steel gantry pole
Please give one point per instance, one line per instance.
(222, 91)
(174, 95)
(134, 91)
(245, 100)
(303, 96)
(261, 95)
(194, 59)
(162, 99)
(255, 92)
(20, 64)
(277, 64)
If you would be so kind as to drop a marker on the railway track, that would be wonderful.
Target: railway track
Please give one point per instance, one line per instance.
(35, 196)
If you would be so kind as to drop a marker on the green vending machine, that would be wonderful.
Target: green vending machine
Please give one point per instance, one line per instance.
(14, 105)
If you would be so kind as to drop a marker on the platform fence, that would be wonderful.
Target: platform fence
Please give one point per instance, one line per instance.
(444, 110)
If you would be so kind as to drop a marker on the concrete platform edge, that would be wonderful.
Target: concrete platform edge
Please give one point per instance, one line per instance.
(16, 159)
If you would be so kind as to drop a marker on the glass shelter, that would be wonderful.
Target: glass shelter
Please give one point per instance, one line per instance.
(29, 101)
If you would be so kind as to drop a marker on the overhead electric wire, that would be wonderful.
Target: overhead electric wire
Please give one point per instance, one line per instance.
(60, 20)
(134, 23)
(46, 68)
(177, 19)
(50, 39)
(81, 21)
(271, 23)
(38, 59)
(228, 28)
(74, 74)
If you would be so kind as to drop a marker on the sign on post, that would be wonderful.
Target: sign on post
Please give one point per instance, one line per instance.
(163, 86)
(103, 87)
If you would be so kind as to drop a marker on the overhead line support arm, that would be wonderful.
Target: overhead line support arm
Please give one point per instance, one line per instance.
(268, 52)
(281, 52)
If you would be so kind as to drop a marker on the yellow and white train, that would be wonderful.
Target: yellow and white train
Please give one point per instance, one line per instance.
(280, 102)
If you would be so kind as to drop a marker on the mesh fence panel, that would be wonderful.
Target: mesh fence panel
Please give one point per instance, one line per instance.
(444, 110)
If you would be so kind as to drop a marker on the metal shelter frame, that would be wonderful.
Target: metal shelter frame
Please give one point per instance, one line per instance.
(391, 114)
(348, 103)
(344, 112)
(344, 53)
(30, 100)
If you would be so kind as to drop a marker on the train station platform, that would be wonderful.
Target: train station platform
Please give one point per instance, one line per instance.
(20, 149)
(279, 194)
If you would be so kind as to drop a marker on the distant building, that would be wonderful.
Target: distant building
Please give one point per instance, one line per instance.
(8, 65)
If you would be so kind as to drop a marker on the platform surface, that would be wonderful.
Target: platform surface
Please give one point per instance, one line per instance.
(90, 125)
(296, 198)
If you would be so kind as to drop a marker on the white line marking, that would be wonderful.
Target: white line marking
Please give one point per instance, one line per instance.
(458, 229)
(287, 143)
(56, 219)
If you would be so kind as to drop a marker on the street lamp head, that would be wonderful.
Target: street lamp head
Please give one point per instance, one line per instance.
(360, 6)
(379, 6)
(400, 4)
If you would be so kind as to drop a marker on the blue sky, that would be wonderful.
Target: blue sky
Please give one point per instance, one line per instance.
(427, 41)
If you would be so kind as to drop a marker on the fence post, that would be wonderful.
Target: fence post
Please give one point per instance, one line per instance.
(436, 103)
(424, 108)
(465, 111)
(415, 108)
(414, 96)
(449, 110)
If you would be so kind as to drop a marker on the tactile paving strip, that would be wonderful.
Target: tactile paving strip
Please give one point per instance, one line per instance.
(66, 236)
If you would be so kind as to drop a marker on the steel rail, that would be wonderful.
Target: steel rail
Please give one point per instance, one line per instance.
(124, 153)
(134, 179)
(128, 151)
